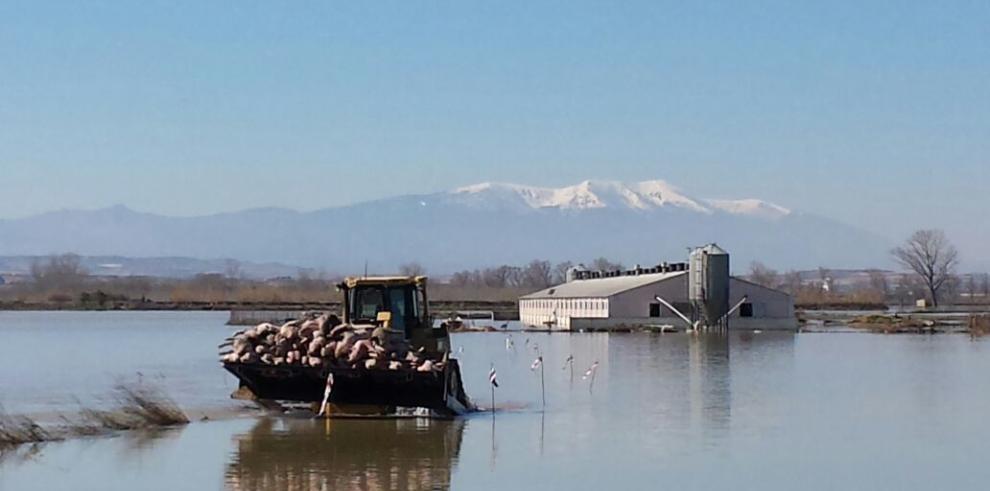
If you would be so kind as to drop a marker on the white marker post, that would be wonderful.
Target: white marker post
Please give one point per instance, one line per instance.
(493, 380)
(538, 363)
(569, 363)
(592, 370)
(326, 394)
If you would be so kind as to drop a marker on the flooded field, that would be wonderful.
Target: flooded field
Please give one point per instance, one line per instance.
(767, 411)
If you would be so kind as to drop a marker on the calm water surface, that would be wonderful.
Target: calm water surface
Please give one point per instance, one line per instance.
(751, 411)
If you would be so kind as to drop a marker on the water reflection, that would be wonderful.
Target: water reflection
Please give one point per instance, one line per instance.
(680, 379)
(14, 456)
(305, 454)
(709, 380)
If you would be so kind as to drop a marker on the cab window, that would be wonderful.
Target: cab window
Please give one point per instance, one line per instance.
(367, 303)
(399, 300)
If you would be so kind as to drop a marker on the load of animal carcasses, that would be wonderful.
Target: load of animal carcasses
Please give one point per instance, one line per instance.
(320, 340)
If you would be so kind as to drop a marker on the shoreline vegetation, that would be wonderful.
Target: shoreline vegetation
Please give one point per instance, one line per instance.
(61, 283)
(138, 407)
(503, 310)
(974, 323)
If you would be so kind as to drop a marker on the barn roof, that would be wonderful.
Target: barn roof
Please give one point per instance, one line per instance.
(602, 287)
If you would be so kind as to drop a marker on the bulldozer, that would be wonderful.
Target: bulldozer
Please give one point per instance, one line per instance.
(396, 307)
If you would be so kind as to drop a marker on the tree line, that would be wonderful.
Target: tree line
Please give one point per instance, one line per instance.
(927, 257)
(536, 274)
(63, 281)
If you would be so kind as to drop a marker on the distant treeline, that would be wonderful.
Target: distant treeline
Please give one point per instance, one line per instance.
(61, 281)
(535, 275)
(877, 288)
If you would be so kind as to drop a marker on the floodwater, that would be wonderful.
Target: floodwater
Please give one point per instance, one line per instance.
(749, 411)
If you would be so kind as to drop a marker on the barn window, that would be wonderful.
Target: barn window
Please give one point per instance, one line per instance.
(654, 310)
(746, 310)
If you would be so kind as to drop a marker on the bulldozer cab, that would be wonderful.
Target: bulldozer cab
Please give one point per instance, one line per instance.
(397, 303)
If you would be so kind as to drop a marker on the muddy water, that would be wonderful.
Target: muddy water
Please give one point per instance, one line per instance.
(768, 411)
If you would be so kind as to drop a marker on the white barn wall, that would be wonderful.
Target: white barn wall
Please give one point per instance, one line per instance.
(767, 303)
(538, 312)
(636, 302)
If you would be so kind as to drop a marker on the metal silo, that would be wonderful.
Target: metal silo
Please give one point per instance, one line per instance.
(708, 283)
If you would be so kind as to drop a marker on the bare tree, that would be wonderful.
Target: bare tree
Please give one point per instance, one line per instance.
(464, 278)
(537, 274)
(985, 286)
(603, 264)
(62, 271)
(971, 287)
(412, 269)
(760, 274)
(500, 277)
(792, 282)
(560, 271)
(929, 255)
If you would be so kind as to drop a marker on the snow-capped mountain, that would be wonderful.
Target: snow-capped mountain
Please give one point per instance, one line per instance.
(645, 195)
(469, 227)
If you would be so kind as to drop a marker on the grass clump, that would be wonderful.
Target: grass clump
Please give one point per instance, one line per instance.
(150, 407)
(137, 407)
(17, 430)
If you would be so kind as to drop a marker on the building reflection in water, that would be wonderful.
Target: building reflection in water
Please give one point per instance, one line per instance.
(304, 454)
(709, 382)
(696, 382)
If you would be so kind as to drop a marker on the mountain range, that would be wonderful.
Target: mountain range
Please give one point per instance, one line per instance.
(474, 226)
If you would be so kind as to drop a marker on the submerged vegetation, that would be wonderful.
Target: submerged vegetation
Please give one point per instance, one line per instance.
(979, 325)
(137, 407)
(17, 430)
(889, 324)
(975, 324)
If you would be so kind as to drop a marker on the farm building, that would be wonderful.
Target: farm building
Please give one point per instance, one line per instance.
(606, 300)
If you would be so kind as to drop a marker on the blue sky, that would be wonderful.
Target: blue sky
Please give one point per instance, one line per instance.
(873, 113)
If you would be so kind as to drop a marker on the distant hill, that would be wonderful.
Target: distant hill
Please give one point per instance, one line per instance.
(480, 225)
(162, 267)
